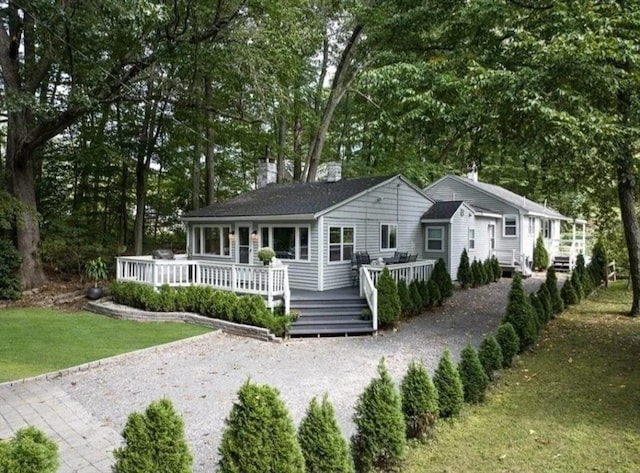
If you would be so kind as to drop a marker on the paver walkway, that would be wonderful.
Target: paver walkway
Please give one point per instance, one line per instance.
(84, 411)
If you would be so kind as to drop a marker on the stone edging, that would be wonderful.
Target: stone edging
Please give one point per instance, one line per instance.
(111, 309)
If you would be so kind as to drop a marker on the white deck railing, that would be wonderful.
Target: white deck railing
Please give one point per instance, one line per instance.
(370, 274)
(271, 282)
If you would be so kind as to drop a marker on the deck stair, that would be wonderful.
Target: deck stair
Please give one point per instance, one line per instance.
(337, 313)
(562, 263)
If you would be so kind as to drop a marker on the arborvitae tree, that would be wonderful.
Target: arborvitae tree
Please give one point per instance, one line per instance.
(497, 270)
(577, 285)
(568, 293)
(447, 381)
(406, 305)
(507, 338)
(30, 451)
(154, 442)
(476, 276)
(474, 379)
(464, 275)
(388, 300)
(416, 299)
(520, 314)
(552, 286)
(483, 273)
(490, 355)
(380, 440)
(488, 269)
(599, 262)
(586, 282)
(424, 293)
(545, 299)
(540, 255)
(442, 279)
(259, 435)
(538, 312)
(323, 446)
(419, 401)
(435, 298)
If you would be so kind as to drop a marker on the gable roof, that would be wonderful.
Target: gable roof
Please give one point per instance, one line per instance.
(442, 210)
(506, 196)
(296, 198)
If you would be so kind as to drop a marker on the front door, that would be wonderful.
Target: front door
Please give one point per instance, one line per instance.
(244, 244)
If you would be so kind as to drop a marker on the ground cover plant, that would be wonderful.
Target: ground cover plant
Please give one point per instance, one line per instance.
(543, 416)
(70, 339)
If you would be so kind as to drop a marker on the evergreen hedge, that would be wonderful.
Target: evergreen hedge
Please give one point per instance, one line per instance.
(419, 401)
(442, 279)
(388, 300)
(448, 384)
(497, 270)
(507, 338)
(416, 297)
(464, 274)
(520, 314)
(551, 283)
(478, 274)
(568, 293)
(154, 442)
(323, 446)
(425, 294)
(474, 380)
(435, 298)
(490, 355)
(539, 318)
(259, 435)
(489, 271)
(540, 255)
(10, 260)
(380, 441)
(406, 305)
(576, 281)
(30, 451)
(599, 261)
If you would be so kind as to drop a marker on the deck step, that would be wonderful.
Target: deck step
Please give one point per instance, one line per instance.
(325, 315)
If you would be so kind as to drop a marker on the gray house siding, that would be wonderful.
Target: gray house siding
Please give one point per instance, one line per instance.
(461, 223)
(445, 254)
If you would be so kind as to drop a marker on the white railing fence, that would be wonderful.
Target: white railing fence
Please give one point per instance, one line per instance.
(369, 291)
(270, 282)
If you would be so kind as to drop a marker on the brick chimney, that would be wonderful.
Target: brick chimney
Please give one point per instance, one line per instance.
(334, 172)
(267, 173)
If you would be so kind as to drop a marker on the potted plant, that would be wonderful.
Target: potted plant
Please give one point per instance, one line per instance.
(266, 254)
(96, 269)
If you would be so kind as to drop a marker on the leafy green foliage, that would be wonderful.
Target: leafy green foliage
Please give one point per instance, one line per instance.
(406, 304)
(259, 435)
(489, 271)
(545, 301)
(507, 338)
(415, 296)
(540, 255)
(447, 381)
(576, 281)
(10, 285)
(29, 451)
(464, 275)
(154, 442)
(323, 446)
(478, 274)
(568, 293)
(497, 270)
(520, 314)
(599, 262)
(539, 317)
(490, 356)
(443, 280)
(474, 379)
(551, 283)
(379, 443)
(423, 286)
(435, 298)
(419, 401)
(388, 300)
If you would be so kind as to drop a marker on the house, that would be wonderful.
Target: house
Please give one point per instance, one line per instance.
(490, 220)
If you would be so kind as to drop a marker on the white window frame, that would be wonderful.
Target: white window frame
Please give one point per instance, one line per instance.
(199, 240)
(532, 226)
(427, 240)
(547, 229)
(298, 247)
(341, 244)
(388, 246)
(472, 239)
(514, 226)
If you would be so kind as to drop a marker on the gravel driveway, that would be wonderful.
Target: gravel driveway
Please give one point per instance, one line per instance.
(202, 376)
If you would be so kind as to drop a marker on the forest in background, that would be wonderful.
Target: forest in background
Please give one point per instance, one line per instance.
(119, 115)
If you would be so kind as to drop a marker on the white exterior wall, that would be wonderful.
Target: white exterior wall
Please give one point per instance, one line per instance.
(461, 223)
(483, 245)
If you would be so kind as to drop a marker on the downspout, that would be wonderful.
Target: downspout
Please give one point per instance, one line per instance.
(320, 253)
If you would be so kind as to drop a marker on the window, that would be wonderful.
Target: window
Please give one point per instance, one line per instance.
(510, 226)
(388, 236)
(435, 239)
(472, 239)
(287, 242)
(341, 243)
(211, 240)
(532, 226)
(546, 228)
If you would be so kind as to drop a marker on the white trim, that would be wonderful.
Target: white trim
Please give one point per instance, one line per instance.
(199, 228)
(296, 228)
(320, 253)
(504, 225)
(469, 239)
(426, 239)
(248, 218)
(436, 220)
(341, 260)
(388, 224)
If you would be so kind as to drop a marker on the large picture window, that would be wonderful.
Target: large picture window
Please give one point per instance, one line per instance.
(510, 226)
(287, 242)
(211, 240)
(435, 239)
(341, 243)
(388, 236)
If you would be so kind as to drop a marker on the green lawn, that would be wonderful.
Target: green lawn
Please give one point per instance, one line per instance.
(572, 404)
(36, 341)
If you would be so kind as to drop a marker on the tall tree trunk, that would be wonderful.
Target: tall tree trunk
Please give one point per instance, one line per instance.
(195, 174)
(282, 143)
(124, 185)
(297, 148)
(211, 147)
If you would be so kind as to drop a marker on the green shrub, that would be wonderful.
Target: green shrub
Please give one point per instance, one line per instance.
(442, 279)
(545, 301)
(30, 451)
(424, 294)
(154, 442)
(259, 435)
(406, 305)
(585, 280)
(416, 298)
(520, 314)
(388, 301)
(434, 293)
(497, 270)
(539, 318)
(568, 293)
(576, 281)
(552, 286)
(448, 384)
(540, 255)
(507, 338)
(10, 260)
(477, 273)
(474, 379)
(488, 269)
(419, 401)
(380, 439)
(599, 261)
(490, 355)
(464, 274)
(323, 446)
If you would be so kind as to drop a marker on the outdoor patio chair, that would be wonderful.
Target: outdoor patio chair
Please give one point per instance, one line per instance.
(358, 259)
(412, 258)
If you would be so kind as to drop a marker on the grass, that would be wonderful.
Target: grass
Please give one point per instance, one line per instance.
(572, 404)
(37, 341)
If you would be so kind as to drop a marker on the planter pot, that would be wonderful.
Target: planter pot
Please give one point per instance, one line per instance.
(94, 293)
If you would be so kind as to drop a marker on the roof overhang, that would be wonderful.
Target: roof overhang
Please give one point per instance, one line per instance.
(487, 214)
(435, 220)
(251, 218)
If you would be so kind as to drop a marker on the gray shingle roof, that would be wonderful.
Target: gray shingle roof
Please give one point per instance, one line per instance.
(289, 199)
(442, 210)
